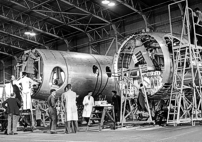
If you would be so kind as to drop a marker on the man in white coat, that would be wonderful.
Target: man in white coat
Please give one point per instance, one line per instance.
(71, 114)
(25, 84)
(88, 103)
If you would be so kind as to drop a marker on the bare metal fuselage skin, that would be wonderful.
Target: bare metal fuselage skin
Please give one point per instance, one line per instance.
(77, 69)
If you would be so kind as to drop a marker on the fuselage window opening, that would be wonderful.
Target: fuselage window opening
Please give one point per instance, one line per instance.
(57, 78)
(95, 70)
(108, 71)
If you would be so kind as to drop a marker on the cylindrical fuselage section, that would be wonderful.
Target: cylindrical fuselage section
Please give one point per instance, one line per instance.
(85, 72)
(153, 50)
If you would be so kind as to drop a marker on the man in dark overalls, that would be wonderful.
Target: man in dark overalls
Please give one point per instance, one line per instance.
(52, 111)
(116, 102)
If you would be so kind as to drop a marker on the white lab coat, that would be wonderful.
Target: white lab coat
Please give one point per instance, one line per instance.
(88, 108)
(69, 98)
(26, 91)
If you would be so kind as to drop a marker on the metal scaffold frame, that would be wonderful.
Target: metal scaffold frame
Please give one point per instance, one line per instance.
(127, 87)
(185, 104)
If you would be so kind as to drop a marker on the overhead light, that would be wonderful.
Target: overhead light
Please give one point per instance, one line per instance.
(105, 2)
(30, 33)
(111, 4)
(27, 33)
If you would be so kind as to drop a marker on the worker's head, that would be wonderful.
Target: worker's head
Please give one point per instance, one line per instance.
(56, 82)
(114, 92)
(197, 9)
(36, 102)
(12, 77)
(13, 95)
(90, 93)
(141, 85)
(53, 92)
(68, 87)
(24, 74)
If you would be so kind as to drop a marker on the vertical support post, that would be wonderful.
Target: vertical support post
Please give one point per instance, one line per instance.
(116, 36)
(67, 43)
(15, 68)
(122, 99)
(3, 76)
(89, 43)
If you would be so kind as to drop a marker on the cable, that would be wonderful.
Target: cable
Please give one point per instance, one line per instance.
(105, 85)
(100, 76)
(96, 83)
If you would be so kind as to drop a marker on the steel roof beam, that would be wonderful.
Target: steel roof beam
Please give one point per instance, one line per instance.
(93, 9)
(11, 45)
(130, 5)
(7, 54)
(50, 16)
(18, 34)
(25, 20)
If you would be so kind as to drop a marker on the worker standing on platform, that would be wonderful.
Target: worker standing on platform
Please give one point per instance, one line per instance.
(88, 103)
(52, 111)
(198, 27)
(71, 114)
(12, 106)
(26, 84)
(141, 100)
(116, 102)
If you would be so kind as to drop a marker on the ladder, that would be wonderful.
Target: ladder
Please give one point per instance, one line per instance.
(186, 97)
(143, 68)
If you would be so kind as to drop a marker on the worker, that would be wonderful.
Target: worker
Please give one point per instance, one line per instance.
(198, 14)
(12, 106)
(25, 83)
(198, 28)
(16, 90)
(88, 103)
(52, 111)
(116, 102)
(141, 100)
(39, 111)
(3, 118)
(71, 114)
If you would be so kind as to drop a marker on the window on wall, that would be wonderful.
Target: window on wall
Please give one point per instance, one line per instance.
(57, 78)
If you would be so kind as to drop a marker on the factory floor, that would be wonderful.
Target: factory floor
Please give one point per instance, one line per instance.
(130, 134)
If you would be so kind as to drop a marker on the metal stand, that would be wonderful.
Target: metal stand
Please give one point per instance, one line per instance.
(185, 104)
(99, 113)
(129, 102)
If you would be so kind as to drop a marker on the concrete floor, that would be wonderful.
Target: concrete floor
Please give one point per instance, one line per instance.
(134, 134)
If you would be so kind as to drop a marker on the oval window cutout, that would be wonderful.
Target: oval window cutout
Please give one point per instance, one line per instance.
(108, 71)
(95, 69)
(57, 78)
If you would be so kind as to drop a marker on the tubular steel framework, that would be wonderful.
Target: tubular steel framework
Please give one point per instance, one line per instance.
(62, 20)
(185, 104)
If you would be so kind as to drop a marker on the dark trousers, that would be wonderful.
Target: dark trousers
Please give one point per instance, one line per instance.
(38, 122)
(12, 123)
(53, 118)
(87, 119)
(117, 115)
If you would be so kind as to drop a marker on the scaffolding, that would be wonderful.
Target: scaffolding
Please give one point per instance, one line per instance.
(185, 105)
(129, 107)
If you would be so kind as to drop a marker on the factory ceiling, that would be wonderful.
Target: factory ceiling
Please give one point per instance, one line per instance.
(62, 20)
